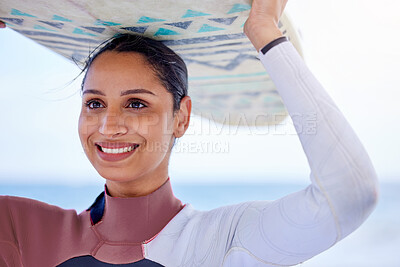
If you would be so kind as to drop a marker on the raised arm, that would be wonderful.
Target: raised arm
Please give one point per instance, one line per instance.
(343, 189)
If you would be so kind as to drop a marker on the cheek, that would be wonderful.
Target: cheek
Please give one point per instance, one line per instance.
(141, 124)
(163, 128)
(87, 125)
(151, 125)
(157, 130)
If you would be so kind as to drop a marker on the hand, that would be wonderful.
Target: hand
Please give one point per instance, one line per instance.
(2, 24)
(262, 25)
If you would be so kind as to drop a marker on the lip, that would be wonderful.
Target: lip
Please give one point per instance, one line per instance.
(114, 144)
(115, 157)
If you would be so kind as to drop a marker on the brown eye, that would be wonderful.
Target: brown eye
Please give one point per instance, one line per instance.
(136, 104)
(94, 104)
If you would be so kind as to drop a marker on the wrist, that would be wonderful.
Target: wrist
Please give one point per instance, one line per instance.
(263, 35)
(267, 37)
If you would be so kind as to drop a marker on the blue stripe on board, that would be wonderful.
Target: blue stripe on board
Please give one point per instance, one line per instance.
(136, 29)
(252, 94)
(212, 46)
(218, 77)
(208, 39)
(163, 31)
(14, 20)
(89, 261)
(226, 21)
(16, 12)
(58, 42)
(94, 29)
(39, 27)
(218, 52)
(239, 8)
(183, 25)
(68, 49)
(59, 18)
(106, 23)
(49, 34)
(80, 31)
(145, 19)
(209, 28)
(192, 13)
(58, 25)
(219, 61)
(231, 66)
(197, 40)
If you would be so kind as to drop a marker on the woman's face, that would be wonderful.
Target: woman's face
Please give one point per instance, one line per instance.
(127, 125)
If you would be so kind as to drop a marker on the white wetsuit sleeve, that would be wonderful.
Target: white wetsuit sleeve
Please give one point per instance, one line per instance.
(343, 187)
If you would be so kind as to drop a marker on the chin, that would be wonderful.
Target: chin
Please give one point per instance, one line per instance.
(118, 175)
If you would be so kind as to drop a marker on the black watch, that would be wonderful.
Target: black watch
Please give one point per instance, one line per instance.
(275, 42)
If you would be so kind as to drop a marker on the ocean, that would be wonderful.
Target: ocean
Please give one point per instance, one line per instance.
(375, 244)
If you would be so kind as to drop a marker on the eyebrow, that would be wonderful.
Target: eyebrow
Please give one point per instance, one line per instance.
(123, 93)
(136, 91)
(93, 91)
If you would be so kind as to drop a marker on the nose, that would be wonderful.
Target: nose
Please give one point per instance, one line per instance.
(112, 125)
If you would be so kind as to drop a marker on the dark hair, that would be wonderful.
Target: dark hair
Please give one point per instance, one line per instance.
(168, 66)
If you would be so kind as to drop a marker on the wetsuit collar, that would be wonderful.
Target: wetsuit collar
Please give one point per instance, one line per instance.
(134, 219)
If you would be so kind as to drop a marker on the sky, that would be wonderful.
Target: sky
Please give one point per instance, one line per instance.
(351, 47)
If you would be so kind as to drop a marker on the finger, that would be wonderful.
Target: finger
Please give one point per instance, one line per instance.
(2, 24)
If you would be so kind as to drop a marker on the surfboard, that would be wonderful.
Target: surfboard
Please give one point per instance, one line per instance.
(227, 82)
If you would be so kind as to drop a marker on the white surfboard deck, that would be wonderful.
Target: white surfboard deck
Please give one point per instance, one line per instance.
(227, 82)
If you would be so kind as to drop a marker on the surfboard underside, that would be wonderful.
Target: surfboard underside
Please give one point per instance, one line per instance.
(227, 82)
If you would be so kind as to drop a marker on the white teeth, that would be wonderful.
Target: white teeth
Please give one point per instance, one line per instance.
(117, 150)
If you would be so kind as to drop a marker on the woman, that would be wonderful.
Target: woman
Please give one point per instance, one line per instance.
(134, 106)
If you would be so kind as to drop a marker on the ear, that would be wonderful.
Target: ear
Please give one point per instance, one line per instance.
(182, 117)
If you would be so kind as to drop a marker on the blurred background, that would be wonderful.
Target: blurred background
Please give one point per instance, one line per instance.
(351, 46)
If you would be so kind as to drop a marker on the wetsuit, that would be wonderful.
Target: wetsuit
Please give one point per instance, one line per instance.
(157, 230)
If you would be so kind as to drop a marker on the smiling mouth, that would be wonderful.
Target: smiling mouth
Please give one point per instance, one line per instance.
(120, 150)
